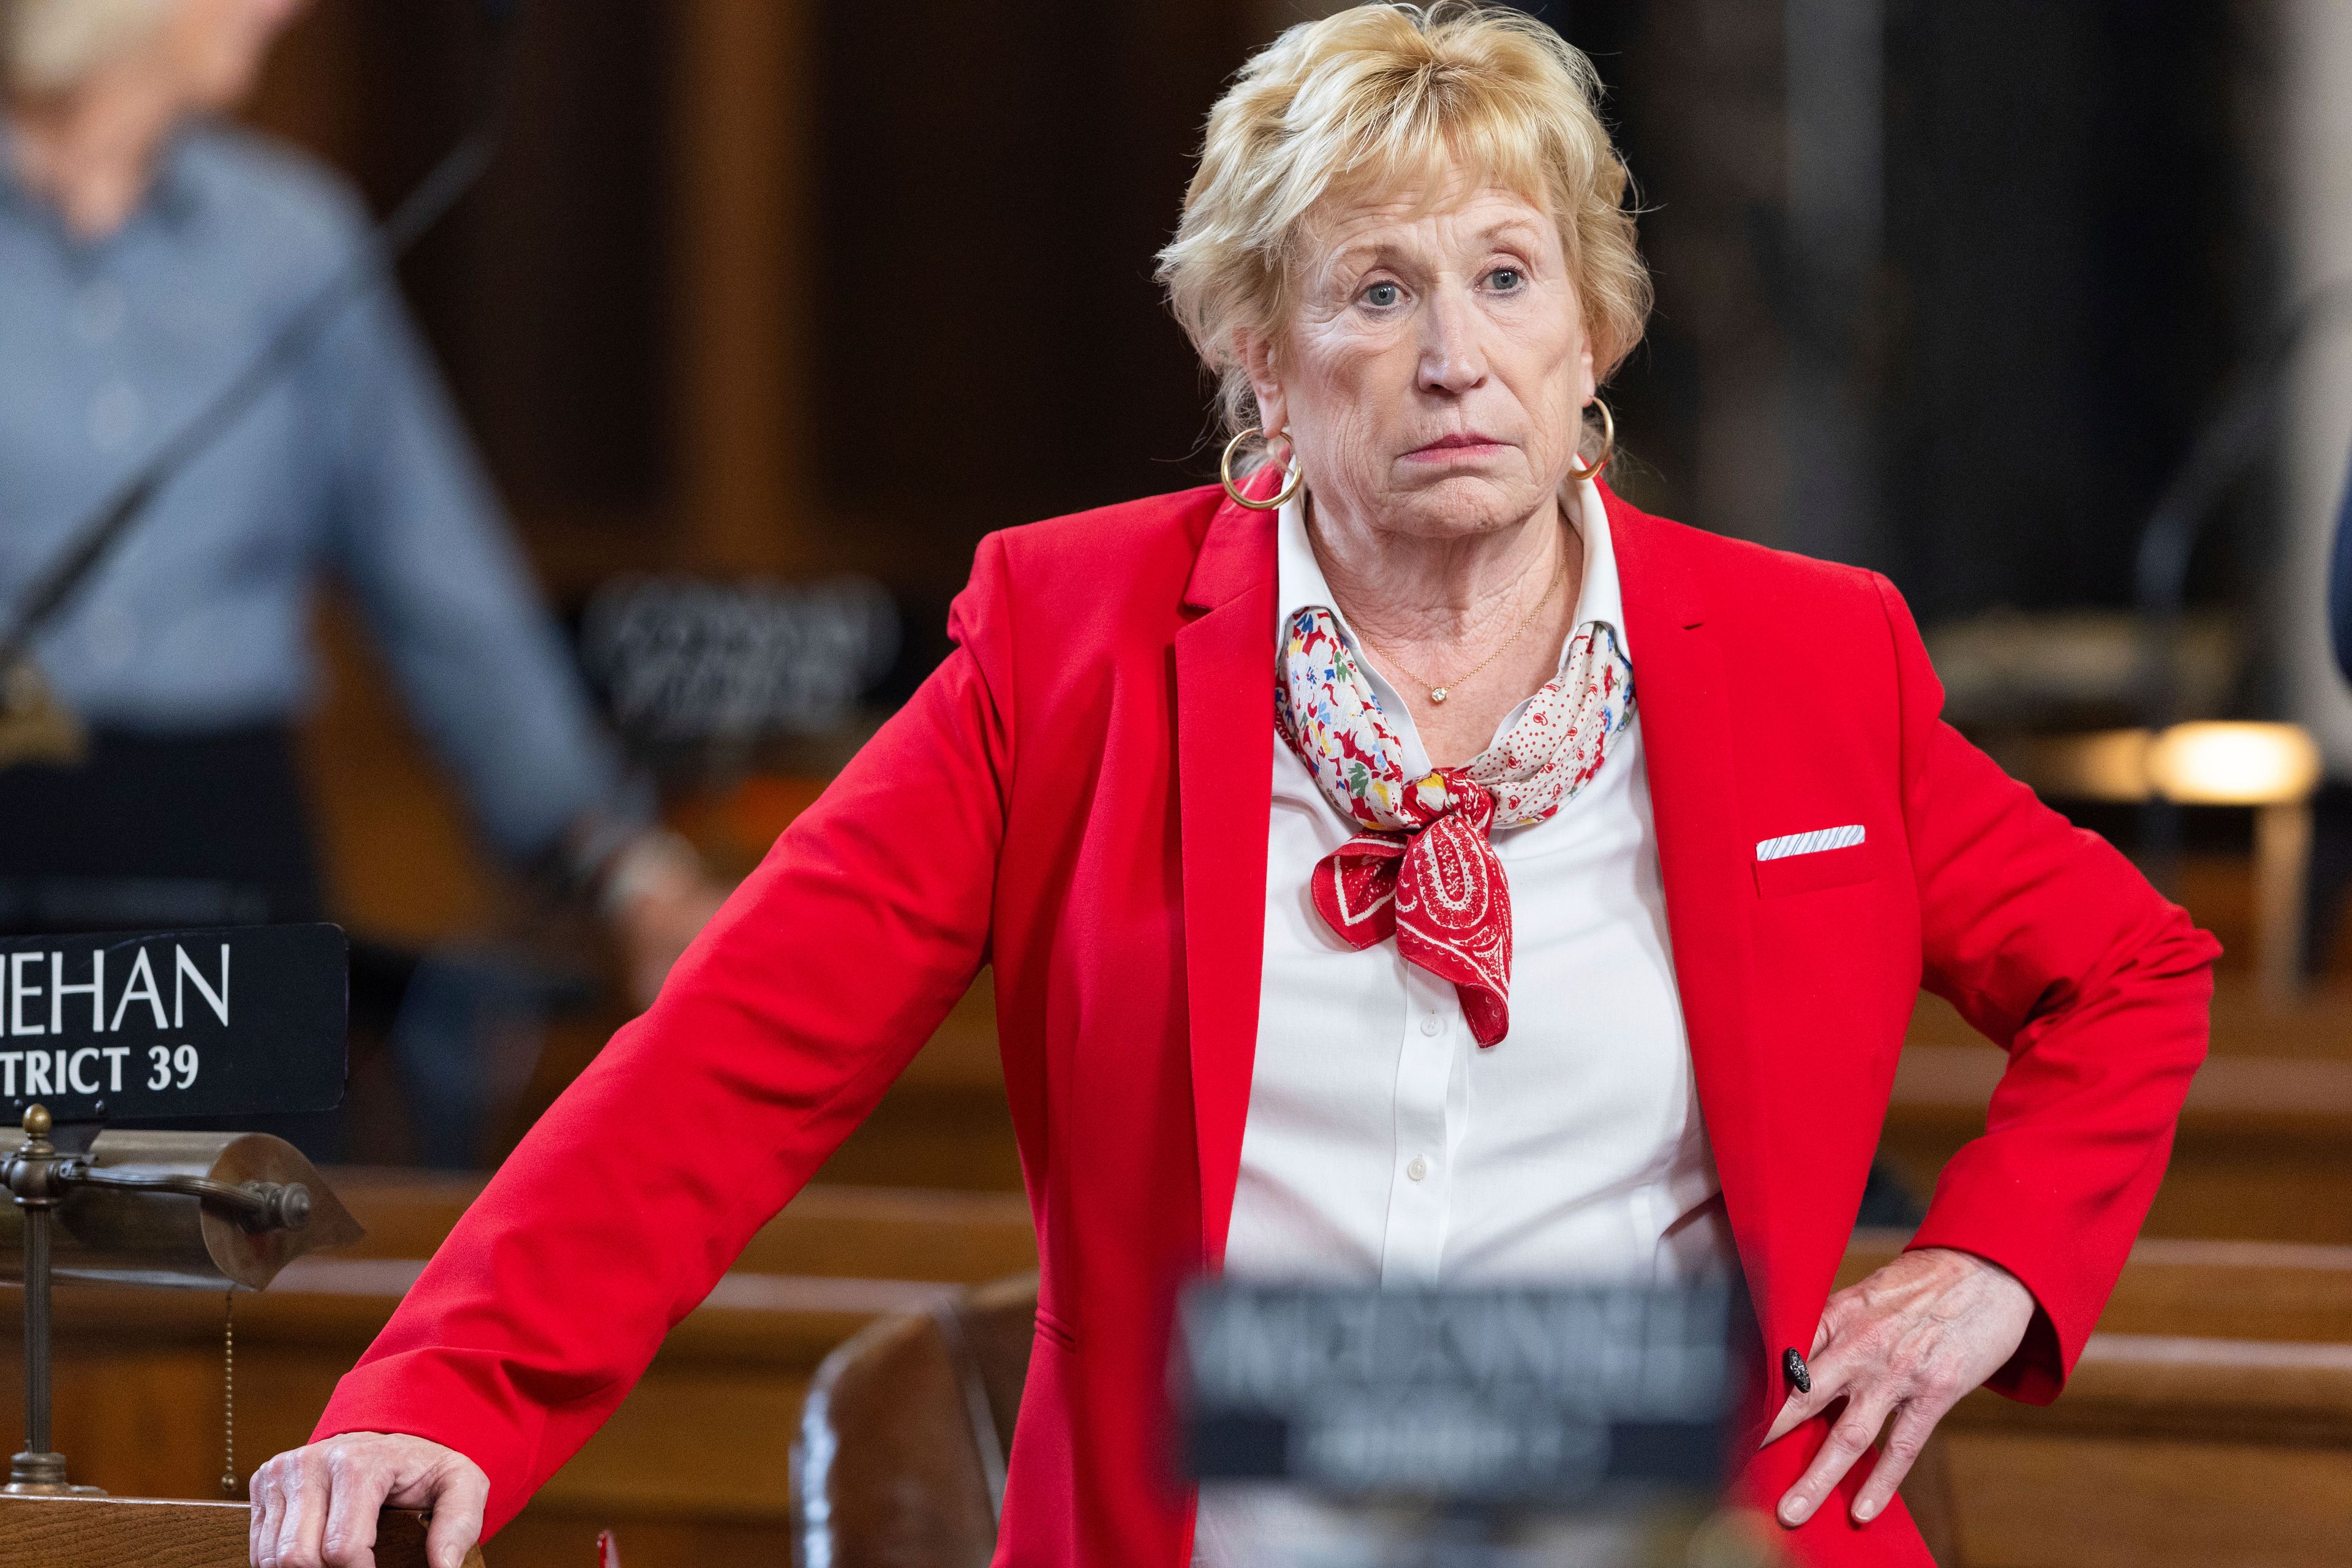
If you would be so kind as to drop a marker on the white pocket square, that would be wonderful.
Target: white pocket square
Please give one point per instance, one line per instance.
(1812, 843)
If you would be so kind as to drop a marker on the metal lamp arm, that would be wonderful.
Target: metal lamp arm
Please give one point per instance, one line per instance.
(255, 1206)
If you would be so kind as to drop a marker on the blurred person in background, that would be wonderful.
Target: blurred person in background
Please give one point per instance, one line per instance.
(1404, 865)
(148, 250)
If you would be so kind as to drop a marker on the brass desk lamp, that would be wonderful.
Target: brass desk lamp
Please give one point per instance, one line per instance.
(212, 1211)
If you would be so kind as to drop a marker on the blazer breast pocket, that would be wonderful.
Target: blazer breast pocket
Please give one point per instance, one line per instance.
(1808, 862)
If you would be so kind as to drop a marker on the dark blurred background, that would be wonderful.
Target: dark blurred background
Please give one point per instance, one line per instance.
(782, 305)
(793, 294)
(1948, 298)
(796, 289)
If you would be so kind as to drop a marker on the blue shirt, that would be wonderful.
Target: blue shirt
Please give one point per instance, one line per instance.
(353, 466)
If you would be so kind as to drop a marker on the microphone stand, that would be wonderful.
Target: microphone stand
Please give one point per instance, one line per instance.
(33, 726)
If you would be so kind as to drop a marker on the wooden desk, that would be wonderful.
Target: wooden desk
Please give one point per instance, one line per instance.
(693, 1469)
(149, 1533)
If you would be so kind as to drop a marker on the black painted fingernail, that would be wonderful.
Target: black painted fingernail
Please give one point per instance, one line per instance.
(1793, 1365)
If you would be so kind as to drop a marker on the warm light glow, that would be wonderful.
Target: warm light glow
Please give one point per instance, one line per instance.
(2111, 765)
(2235, 764)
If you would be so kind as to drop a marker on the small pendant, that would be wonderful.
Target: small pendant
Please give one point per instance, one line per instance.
(1437, 694)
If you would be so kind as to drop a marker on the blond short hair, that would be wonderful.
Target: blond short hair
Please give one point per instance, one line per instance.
(1387, 95)
(47, 45)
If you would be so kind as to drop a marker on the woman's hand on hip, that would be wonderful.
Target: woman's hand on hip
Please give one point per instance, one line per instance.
(316, 1507)
(1906, 1343)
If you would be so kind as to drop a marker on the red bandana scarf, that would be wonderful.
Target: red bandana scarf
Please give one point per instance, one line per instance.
(1423, 868)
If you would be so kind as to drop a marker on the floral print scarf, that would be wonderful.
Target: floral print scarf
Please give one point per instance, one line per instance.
(1422, 867)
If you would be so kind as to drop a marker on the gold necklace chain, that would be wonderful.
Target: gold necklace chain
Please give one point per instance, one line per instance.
(1438, 694)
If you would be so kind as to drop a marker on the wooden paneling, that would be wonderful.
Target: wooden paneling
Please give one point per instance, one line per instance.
(994, 178)
(546, 295)
(2071, 1502)
(833, 1232)
(402, 863)
(739, 141)
(2163, 1451)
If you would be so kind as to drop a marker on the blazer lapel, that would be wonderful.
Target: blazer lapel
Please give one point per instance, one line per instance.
(1684, 697)
(1224, 781)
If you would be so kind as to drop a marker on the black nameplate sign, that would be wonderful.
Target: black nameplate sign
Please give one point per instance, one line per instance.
(247, 1021)
(1529, 1395)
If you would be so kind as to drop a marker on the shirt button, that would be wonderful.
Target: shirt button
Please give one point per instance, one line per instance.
(1418, 1168)
(1430, 1025)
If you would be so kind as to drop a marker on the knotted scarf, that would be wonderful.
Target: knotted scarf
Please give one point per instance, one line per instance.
(1423, 868)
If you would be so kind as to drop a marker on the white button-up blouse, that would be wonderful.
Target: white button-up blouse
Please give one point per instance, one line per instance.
(1382, 1146)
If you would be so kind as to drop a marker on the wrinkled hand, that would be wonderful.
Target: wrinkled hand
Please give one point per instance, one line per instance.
(1906, 1343)
(317, 1507)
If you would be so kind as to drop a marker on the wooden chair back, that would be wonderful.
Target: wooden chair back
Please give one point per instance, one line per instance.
(904, 1439)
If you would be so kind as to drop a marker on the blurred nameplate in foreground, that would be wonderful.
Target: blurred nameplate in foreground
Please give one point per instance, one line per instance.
(1522, 1397)
(685, 663)
(247, 1021)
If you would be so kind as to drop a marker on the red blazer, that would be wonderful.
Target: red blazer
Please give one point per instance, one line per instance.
(1079, 796)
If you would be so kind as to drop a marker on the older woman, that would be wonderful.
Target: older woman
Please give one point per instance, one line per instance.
(1406, 863)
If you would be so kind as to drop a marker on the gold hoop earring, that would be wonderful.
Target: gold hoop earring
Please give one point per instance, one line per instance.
(1608, 447)
(1225, 471)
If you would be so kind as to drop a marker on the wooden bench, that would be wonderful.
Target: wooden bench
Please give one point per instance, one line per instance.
(2209, 1421)
(2164, 1452)
(2265, 1149)
(2220, 1357)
